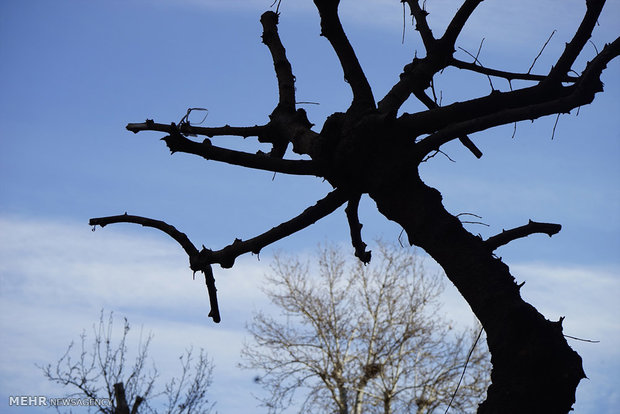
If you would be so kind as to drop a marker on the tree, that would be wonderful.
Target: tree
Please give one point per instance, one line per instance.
(375, 149)
(103, 373)
(363, 339)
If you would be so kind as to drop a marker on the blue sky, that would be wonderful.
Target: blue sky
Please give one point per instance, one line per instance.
(74, 73)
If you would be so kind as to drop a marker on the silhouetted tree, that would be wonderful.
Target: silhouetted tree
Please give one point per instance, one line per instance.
(371, 148)
(103, 372)
(363, 339)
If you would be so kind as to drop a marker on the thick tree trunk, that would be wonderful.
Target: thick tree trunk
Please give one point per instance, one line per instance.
(534, 369)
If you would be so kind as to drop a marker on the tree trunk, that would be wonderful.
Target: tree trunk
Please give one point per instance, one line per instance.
(359, 400)
(534, 369)
(121, 400)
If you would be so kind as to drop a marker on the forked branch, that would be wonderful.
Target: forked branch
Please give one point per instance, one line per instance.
(181, 238)
(531, 227)
(203, 259)
(177, 142)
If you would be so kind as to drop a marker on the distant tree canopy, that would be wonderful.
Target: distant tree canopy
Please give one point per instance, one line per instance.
(100, 370)
(355, 339)
(374, 148)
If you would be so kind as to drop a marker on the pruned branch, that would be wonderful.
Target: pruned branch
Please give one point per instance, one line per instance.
(214, 313)
(531, 227)
(332, 29)
(202, 261)
(185, 128)
(458, 22)
(171, 231)
(177, 142)
(181, 238)
(356, 230)
(282, 67)
(421, 25)
(575, 46)
(226, 256)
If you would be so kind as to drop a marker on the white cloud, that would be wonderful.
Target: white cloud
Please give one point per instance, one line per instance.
(56, 276)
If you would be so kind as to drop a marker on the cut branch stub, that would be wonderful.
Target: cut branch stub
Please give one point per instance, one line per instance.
(356, 230)
(531, 227)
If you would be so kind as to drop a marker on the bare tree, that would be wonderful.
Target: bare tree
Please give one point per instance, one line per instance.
(363, 339)
(103, 372)
(374, 148)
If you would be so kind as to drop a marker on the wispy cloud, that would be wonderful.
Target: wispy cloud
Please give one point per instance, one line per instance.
(56, 276)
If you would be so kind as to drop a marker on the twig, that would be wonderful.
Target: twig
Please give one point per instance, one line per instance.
(479, 63)
(471, 222)
(503, 74)
(541, 51)
(557, 118)
(471, 351)
(582, 340)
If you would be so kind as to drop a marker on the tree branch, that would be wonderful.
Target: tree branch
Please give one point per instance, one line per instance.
(214, 313)
(468, 143)
(177, 142)
(421, 24)
(458, 22)
(185, 128)
(121, 400)
(574, 48)
(500, 108)
(356, 230)
(503, 74)
(530, 103)
(284, 72)
(226, 256)
(531, 227)
(181, 238)
(331, 28)
(171, 231)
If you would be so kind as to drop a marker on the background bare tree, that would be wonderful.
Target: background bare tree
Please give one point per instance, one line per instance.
(375, 148)
(363, 339)
(102, 371)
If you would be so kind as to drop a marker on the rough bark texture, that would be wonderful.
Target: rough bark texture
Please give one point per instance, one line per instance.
(369, 149)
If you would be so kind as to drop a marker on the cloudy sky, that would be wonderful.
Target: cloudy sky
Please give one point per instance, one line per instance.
(74, 73)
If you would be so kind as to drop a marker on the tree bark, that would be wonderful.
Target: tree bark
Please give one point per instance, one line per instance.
(534, 369)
